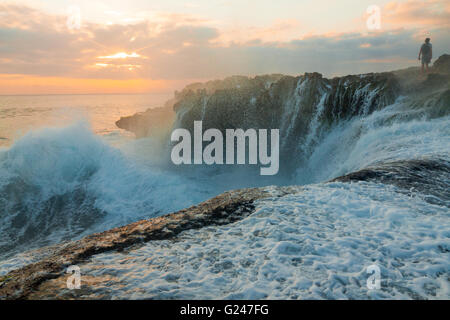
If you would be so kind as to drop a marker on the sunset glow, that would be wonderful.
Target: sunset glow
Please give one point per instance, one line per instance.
(121, 55)
(111, 42)
(18, 84)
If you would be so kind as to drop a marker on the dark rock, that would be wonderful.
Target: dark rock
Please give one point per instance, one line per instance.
(442, 64)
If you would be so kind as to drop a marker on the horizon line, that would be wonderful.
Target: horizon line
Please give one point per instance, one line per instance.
(79, 94)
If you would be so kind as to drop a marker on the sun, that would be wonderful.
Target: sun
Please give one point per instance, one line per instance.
(121, 55)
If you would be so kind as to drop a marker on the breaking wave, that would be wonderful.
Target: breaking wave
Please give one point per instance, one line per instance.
(58, 184)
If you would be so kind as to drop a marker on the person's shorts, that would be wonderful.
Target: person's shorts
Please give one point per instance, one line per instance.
(426, 59)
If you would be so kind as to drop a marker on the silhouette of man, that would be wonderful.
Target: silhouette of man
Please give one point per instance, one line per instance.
(426, 50)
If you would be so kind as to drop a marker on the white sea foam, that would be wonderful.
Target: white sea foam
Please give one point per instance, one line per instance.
(316, 243)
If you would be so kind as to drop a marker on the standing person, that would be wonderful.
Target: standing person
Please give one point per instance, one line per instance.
(426, 50)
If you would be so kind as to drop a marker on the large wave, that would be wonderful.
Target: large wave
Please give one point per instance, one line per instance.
(58, 184)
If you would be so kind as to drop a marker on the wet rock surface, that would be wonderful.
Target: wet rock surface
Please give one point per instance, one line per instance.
(225, 208)
(428, 177)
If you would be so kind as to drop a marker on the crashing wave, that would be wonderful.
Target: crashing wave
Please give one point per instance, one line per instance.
(59, 184)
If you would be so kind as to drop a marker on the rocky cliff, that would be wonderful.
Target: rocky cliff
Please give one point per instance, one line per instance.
(302, 107)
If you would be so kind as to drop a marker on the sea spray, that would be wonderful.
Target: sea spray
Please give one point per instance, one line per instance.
(60, 184)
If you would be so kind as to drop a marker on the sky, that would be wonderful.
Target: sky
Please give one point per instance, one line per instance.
(148, 46)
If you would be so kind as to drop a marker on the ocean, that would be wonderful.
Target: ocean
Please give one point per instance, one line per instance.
(20, 114)
(66, 171)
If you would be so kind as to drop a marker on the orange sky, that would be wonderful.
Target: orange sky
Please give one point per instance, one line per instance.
(16, 84)
(137, 46)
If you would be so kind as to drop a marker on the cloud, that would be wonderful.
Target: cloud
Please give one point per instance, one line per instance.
(33, 42)
(280, 29)
(176, 47)
(417, 13)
